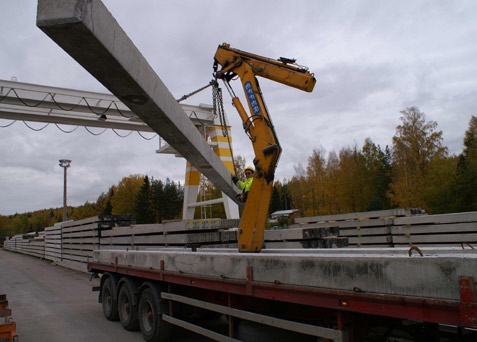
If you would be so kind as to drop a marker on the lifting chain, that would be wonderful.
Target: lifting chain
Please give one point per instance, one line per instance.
(219, 111)
(218, 108)
(218, 104)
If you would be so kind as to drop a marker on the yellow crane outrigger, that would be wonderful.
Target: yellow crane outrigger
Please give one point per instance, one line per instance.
(259, 128)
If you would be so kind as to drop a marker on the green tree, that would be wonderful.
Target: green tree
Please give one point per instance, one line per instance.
(174, 194)
(466, 182)
(6, 230)
(284, 197)
(39, 220)
(280, 199)
(158, 199)
(275, 201)
(103, 203)
(378, 175)
(84, 211)
(351, 181)
(168, 198)
(143, 204)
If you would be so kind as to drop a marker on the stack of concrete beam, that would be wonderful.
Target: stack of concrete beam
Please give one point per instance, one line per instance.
(53, 242)
(458, 229)
(305, 236)
(399, 227)
(191, 233)
(364, 229)
(72, 243)
(10, 243)
(32, 244)
(214, 233)
(79, 238)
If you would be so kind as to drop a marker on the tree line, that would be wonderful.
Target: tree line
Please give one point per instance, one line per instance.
(415, 172)
(147, 199)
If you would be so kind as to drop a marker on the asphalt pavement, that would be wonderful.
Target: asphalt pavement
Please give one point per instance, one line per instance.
(51, 303)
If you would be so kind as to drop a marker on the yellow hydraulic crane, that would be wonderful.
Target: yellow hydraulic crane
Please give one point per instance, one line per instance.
(259, 128)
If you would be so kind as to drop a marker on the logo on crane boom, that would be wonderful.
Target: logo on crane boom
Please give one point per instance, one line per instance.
(251, 98)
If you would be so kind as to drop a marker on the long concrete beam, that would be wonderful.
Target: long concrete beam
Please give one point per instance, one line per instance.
(88, 32)
(435, 275)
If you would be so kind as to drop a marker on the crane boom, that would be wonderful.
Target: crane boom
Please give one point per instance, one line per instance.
(282, 70)
(258, 125)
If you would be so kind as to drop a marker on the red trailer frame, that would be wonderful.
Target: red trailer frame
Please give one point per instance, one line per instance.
(347, 307)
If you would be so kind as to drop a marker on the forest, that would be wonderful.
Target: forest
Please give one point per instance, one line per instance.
(416, 171)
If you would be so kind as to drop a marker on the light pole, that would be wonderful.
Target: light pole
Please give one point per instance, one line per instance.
(65, 164)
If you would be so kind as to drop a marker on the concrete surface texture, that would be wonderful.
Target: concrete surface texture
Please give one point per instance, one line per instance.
(51, 303)
(391, 271)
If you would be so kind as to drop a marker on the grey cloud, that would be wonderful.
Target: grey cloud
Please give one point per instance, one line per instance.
(371, 60)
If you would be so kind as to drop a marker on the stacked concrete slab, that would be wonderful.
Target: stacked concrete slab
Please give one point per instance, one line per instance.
(189, 233)
(214, 233)
(72, 243)
(80, 238)
(31, 244)
(69, 243)
(305, 236)
(399, 227)
(436, 230)
(364, 229)
(53, 243)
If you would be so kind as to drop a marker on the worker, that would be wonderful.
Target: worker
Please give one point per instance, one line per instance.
(245, 186)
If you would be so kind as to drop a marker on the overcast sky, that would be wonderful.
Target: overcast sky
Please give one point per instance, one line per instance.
(371, 60)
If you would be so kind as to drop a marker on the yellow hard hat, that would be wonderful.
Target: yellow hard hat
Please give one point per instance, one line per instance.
(249, 168)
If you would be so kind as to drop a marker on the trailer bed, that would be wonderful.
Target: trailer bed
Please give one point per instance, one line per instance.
(428, 284)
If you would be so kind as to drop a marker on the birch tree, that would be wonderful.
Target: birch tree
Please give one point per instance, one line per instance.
(416, 144)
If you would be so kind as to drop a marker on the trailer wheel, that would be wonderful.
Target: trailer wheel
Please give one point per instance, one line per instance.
(126, 308)
(150, 310)
(108, 299)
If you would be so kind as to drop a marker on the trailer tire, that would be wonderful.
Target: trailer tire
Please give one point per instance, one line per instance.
(150, 310)
(108, 299)
(127, 308)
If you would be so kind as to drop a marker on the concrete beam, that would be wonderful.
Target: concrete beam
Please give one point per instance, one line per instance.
(88, 32)
(435, 275)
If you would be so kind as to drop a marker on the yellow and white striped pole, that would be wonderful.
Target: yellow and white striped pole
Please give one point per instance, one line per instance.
(223, 150)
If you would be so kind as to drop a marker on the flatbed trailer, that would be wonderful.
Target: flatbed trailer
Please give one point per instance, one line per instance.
(349, 294)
